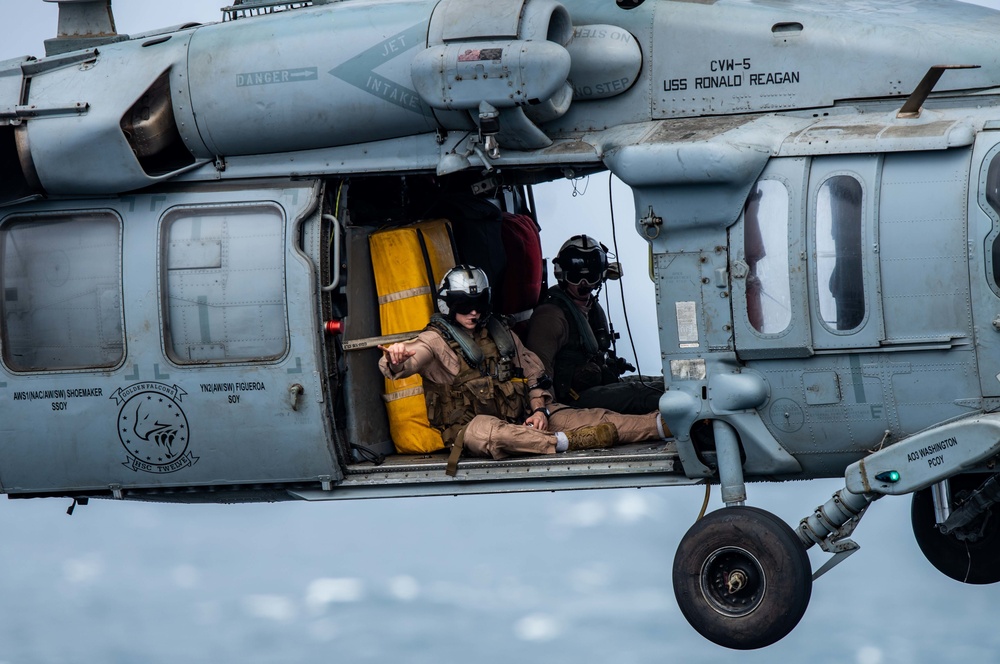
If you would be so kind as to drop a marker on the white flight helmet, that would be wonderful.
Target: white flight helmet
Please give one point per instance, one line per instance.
(463, 289)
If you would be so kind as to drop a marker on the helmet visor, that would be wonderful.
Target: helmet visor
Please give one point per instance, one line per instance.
(582, 266)
(462, 303)
(586, 280)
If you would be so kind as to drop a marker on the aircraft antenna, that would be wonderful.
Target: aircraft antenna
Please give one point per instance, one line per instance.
(914, 103)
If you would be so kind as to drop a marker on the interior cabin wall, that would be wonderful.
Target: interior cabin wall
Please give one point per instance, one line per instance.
(364, 409)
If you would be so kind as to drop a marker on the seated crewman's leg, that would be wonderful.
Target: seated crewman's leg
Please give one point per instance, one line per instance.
(492, 437)
(631, 428)
(629, 397)
(592, 437)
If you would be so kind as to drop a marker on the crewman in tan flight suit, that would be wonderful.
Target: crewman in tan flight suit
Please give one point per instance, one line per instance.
(487, 393)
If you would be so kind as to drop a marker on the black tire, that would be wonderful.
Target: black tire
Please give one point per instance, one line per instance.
(974, 562)
(769, 568)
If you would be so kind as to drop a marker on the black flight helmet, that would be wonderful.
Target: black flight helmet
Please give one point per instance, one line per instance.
(582, 261)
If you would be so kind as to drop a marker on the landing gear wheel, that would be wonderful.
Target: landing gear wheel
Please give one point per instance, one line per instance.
(742, 578)
(973, 560)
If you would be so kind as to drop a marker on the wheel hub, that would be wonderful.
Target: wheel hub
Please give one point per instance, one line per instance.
(733, 582)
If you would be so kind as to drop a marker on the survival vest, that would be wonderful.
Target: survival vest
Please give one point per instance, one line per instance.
(488, 382)
(578, 365)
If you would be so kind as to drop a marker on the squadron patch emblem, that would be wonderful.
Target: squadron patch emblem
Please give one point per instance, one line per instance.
(153, 428)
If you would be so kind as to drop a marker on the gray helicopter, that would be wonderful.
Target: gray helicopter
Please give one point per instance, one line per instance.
(196, 224)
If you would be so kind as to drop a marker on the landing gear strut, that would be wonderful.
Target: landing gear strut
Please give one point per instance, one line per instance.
(742, 578)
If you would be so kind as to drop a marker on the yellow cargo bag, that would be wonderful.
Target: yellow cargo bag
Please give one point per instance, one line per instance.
(409, 262)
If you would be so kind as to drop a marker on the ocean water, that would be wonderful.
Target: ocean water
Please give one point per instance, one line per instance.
(557, 578)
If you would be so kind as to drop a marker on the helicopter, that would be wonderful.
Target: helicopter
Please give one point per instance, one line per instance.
(192, 223)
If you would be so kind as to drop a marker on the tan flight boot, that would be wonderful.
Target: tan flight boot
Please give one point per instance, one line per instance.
(592, 437)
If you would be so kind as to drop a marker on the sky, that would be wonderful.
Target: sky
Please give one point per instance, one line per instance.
(146, 583)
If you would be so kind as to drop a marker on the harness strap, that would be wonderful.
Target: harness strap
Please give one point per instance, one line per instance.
(456, 451)
(501, 337)
(470, 351)
(473, 355)
(404, 294)
(402, 394)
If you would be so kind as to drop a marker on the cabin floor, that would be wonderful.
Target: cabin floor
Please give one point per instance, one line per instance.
(633, 465)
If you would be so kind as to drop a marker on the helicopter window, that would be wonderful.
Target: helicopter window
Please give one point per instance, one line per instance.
(62, 285)
(224, 282)
(838, 253)
(993, 197)
(766, 245)
(993, 184)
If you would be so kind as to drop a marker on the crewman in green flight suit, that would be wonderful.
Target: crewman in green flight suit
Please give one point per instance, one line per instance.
(569, 331)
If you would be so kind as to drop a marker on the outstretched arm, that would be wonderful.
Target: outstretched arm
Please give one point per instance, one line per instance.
(401, 360)
(427, 355)
(397, 354)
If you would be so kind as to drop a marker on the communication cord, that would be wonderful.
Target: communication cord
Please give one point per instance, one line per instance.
(621, 286)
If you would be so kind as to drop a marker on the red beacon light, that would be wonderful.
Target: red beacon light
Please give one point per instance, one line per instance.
(334, 327)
